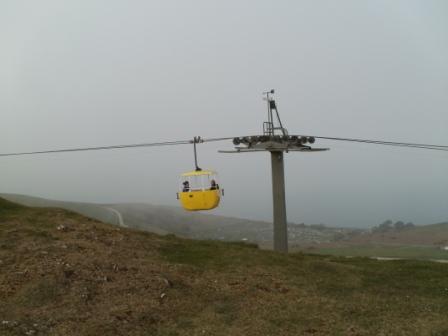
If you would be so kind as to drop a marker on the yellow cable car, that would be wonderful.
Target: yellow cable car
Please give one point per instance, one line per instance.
(199, 188)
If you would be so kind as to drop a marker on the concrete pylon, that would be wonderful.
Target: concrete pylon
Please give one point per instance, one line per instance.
(279, 202)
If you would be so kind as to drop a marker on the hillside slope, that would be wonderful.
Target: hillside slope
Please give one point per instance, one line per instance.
(156, 218)
(96, 211)
(197, 225)
(64, 274)
(433, 234)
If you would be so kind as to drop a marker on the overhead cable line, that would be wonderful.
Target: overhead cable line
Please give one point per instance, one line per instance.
(387, 143)
(186, 142)
(85, 149)
(381, 142)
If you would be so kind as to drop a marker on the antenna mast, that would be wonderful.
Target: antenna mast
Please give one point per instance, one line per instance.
(275, 139)
(269, 127)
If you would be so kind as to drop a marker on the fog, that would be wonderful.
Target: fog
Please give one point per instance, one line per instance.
(94, 73)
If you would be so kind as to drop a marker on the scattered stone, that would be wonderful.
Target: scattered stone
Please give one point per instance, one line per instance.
(162, 297)
(105, 279)
(167, 282)
(62, 228)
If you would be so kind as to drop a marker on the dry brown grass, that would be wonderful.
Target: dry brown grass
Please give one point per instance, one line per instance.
(89, 278)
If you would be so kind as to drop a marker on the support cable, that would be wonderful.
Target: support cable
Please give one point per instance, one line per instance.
(85, 149)
(387, 143)
(187, 142)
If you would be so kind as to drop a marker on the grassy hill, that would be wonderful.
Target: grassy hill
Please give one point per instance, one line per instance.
(65, 274)
(156, 218)
(419, 242)
(434, 234)
(197, 225)
(96, 211)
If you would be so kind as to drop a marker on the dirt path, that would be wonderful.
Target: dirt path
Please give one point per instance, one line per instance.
(119, 217)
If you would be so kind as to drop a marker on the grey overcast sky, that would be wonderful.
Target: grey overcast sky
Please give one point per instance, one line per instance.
(92, 72)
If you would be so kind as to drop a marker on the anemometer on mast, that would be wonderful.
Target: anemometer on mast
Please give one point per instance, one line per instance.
(268, 126)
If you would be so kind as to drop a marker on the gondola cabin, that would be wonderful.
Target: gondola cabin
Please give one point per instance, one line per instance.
(199, 190)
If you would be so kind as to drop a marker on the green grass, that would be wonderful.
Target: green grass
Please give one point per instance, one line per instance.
(386, 251)
(215, 255)
(372, 296)
(7, 207)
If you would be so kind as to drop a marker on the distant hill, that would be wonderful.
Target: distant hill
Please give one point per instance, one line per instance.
(418, 242)
(156, 218)
(65, 274)
(197, 225)
(96, 211)
(433, 234)
(189, 224)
